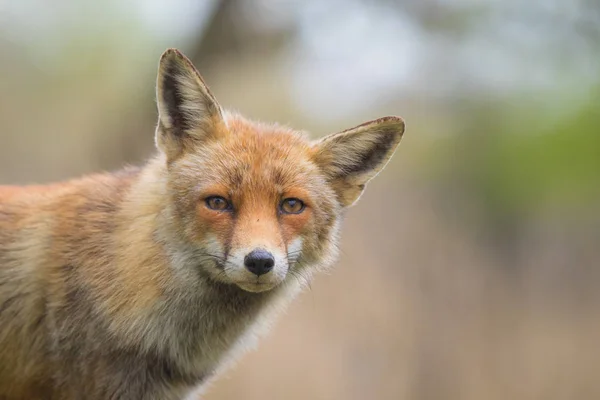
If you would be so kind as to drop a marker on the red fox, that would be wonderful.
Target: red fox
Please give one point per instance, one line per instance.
(147, 282)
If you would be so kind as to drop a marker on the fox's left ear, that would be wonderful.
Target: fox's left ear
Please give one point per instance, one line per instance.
(350, 159)
(188, 113)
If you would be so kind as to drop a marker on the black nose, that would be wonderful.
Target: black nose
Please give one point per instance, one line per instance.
(259, 262)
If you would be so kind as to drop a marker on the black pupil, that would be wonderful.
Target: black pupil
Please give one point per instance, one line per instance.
(292, 206)
(218, 203)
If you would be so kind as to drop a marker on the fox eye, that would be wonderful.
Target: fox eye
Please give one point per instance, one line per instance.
(292, 206)
(217, 203)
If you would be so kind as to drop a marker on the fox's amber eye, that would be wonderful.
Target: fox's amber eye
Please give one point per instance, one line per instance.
(217, 203)
(292, 206)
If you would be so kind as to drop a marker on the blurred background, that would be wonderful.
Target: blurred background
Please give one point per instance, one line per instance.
(470, 269)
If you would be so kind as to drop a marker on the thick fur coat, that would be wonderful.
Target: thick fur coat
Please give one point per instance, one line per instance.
(137, 284)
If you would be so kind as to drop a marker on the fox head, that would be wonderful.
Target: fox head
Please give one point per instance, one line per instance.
(259, 204)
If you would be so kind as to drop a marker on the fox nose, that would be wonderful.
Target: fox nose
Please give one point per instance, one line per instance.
(259, 262)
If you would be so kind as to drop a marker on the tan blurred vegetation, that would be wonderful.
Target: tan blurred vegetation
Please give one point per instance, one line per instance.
(470, 268)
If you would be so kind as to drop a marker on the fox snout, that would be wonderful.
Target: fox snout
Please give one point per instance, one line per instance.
(257, 267)
(259, 262)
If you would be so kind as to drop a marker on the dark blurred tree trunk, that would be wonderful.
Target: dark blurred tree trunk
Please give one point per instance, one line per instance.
(230, 33)
(138, 125)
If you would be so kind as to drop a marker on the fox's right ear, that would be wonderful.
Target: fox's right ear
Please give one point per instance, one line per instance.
(188, 113)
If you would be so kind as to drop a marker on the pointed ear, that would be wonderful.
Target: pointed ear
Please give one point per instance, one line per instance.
(188, 113)
(351, 158)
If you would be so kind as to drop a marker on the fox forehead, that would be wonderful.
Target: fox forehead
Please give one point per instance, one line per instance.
(252, 156)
